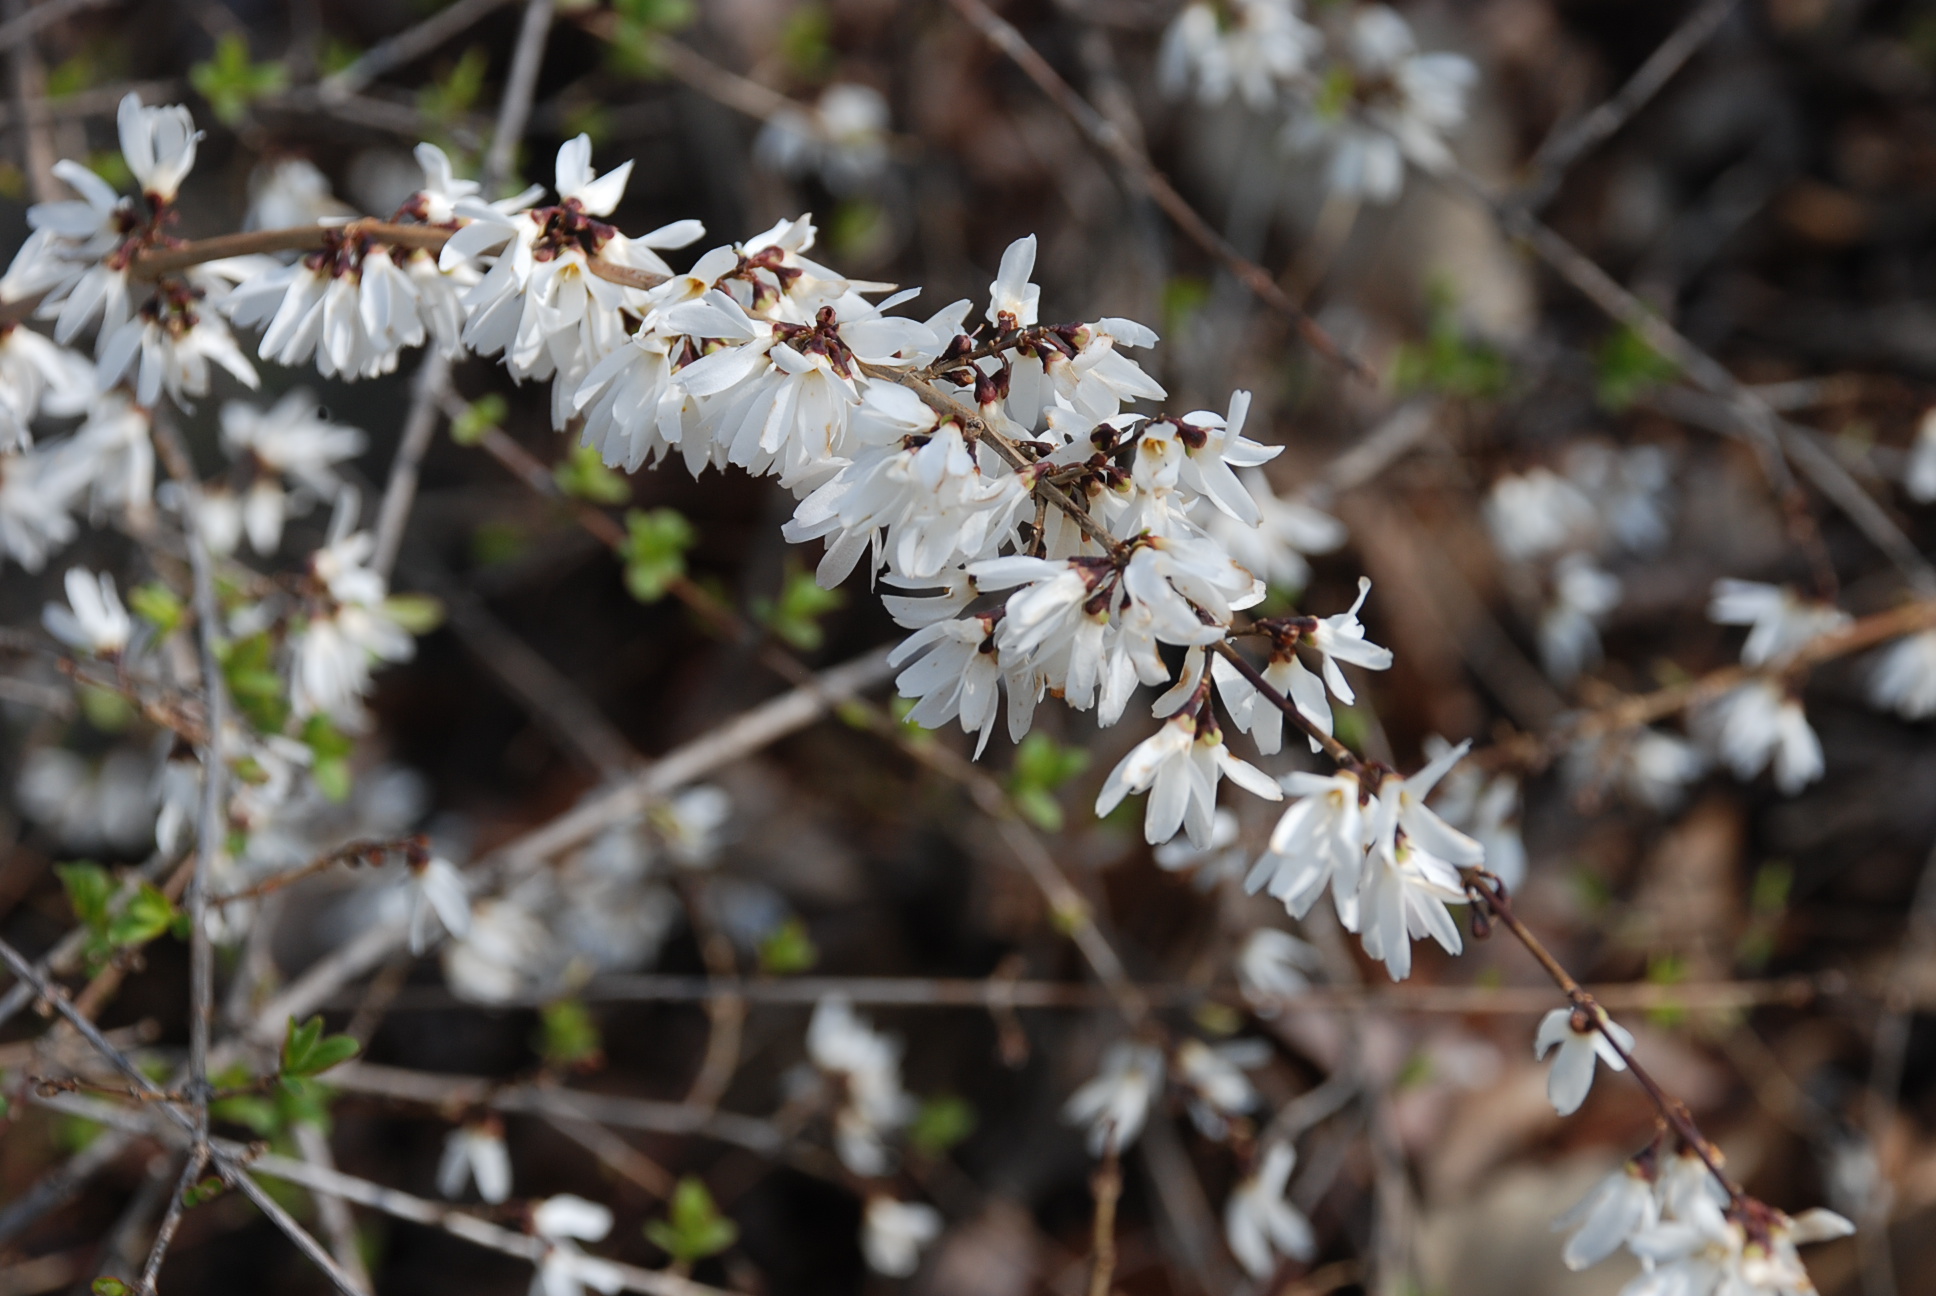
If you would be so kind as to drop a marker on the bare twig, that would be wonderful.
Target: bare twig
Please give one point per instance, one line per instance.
(212, 823)
(407, 45)
(460, 1224)
(20, 27)
(1570, 141)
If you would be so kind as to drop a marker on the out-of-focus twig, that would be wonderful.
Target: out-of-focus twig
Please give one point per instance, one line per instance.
(1574, 138)
(22, 25)
(407, 45)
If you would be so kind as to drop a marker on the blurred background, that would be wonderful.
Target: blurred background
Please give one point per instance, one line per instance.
(1772, 198)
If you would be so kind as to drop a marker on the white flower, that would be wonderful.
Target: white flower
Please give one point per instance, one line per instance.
(62, 258)
(1219, 1088)
(842, 136)
(1757, 724)
(159, 145)
(693, 823)
(1012, 299)
(1271, 968)
(1704, 1252)
(1487, 809)
(506, 954)
(37, 376)
(1572, 1075)
(565, 1270)
(346, 634)
(1650, 766)
(37, 488)
(1406, 102)
(1903, 678)
(88, 807)
(111, 456)
(1260, 716)
(96, 623)
(290, 439)
(476, 1152)
(1222, 856)
(1259, 1224)
(1180, 767)
(437, 891)
(291, 191)
(1401, 804)
(894, 1233)
(1538, 514)
(1782, 621)
(1569, 634)
(1274, 549)
(1403, 897)
(1253, 47)
(1620, 1206)
(1320, 839)
(436, 202)
(1919, 472)
(1116, 1103)
(868, 1065)
(168, 345)
(1341, 637)
(957, 674)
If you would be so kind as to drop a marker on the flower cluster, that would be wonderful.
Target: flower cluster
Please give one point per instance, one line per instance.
(1042, 530)
(1691, 1235)
(1375, 105)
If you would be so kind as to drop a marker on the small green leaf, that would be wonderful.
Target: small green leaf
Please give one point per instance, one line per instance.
(795, 617)
(1043, 765)
(231, 81)
(567, 1035)
(89, 889)
(788, 949)
(417, 613)
(806, 42)
(105, 709)
(583, 475)
(205, 1191)
(1449, 360)
(249, 667)
(1627, 368)
(306, 1051)
(655, 551)
(158, 605)
(633, 47)
(456, 91)
(478, 417)
(498, 542)
(148, 914)
(696, 1229)
(942, 1122)
(107, 1286)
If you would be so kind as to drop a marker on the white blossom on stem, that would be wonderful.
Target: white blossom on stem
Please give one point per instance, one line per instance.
(1903, 676)
(93, 620)
(1620, 1207)
(1319, 840)
(1179, 766)
(1781, 621)
(476, 1152)
(1274, 966)
(895, 1233)
(1253, 48)
(1116, 1103)
(867, 1064)
(563, 1221)
(1580, 1042)
(1757, 725)
(1259, 1224)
